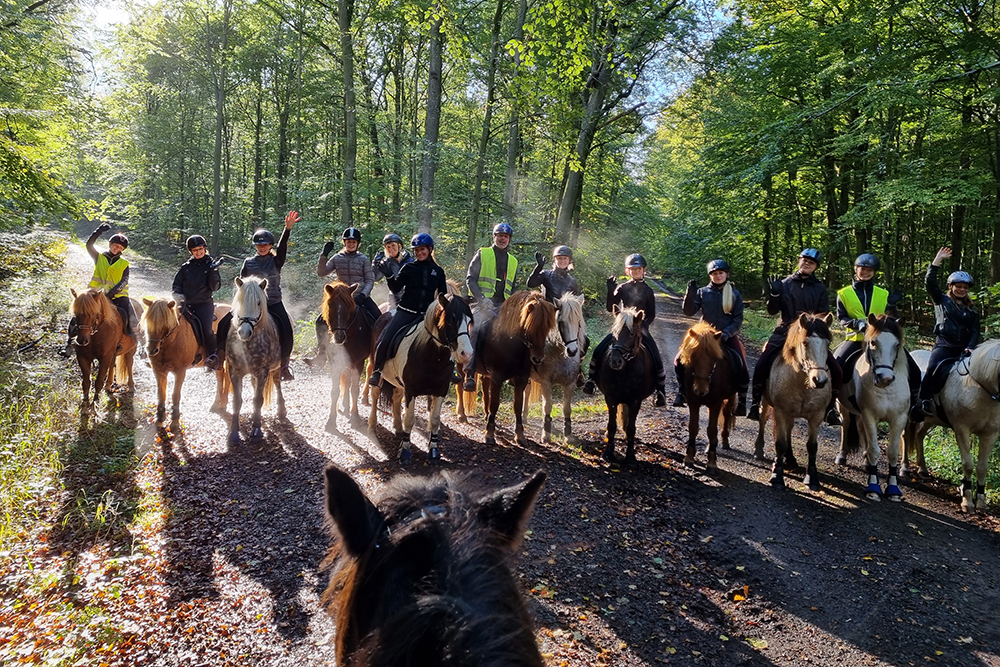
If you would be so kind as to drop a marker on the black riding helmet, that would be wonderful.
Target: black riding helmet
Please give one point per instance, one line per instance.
(352, 234)
(635, 259)
(120, 239)
(867, 260)
(562, 251)
(813, 254)
(262, 237)
(196, 241)
(392, 238)
(717, 265)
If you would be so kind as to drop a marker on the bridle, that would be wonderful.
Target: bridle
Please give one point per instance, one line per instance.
(350, 324)
(447, 343)
(874, 366)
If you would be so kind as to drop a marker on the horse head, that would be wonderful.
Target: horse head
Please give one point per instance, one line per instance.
(249, 305)
(808, 347)
(626, 337)
(700, 353)
(424, 571)
(572, 326)
(538, 318)
(91, 308)
(883, 342)
(158, 321)
(452, 320)
(339, 309)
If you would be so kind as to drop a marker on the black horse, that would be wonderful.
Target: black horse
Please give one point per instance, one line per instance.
(422, 576)
(625, 377)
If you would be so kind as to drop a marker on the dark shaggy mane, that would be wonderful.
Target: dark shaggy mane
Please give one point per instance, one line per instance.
(884, 323)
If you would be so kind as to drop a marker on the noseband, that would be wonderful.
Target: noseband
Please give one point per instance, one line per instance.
(874, 366)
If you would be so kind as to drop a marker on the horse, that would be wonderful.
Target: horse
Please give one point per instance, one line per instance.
(252, 348)
(877, 391)
(423, 366)
(351, 334)
(708, 376)
(422, 575)
(970, 400)
(507, 347)
(799, 386)
(101, 337)
(172, 348)
(561, 364)
(625, 377)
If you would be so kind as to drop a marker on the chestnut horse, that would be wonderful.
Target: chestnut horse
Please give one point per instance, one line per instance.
(707, 381)
(507, 347)
(351, 335)
(101, 337)
(172, 348)
(422, 575)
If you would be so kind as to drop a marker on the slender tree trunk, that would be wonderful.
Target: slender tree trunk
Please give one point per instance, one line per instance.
(960, 211)
(219, 83)
(345, 13)
(514, 127)
(431, 129)
(258, 159)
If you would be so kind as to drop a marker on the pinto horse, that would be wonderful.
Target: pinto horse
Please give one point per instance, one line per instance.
(799, 386)
(970, 400)
(507, 347)
(625, 378)
(707, 381)
(423, 365)
(423, 574)
(878, 390)
(252, 348)
(172, 348)
(101, 337)
(351, 335)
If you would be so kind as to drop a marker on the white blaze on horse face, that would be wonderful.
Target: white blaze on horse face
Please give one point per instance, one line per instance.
(882, 356)
(463, 347)
(817, 372)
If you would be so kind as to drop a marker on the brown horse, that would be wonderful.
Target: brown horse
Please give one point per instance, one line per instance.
(506, 348)
(422, 576)
(351, 334)
(101, 337)
(708, 382)
(173, 348)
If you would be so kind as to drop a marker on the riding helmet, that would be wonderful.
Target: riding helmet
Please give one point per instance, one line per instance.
(392, 238)
(196, 241)
(960, 277)
(813, 254)
(562, 251)
(635, 259)
(352, 234)
(867, 260)
(262, 237)
(503, 228)
(717, 265)
(420, 239)
(119, 238)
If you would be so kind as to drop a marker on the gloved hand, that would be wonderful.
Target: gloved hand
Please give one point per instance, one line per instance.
(179, 300)
(217, 263)
(358, 296)
(774, 285)
(612, 283)
(328, 248)
(386, 269)
(895, 296)
(861, 325)
(539, 258)
(692, 285)
(103, 227)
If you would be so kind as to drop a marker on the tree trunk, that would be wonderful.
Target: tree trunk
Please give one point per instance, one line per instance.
(514, 126)
(431, 128)
(219, 83)
(345, 13)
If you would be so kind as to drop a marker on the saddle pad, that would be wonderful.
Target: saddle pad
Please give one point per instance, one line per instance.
(397, 339)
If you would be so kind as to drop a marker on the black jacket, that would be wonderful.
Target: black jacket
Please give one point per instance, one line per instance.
(798, 294)
(634, 294)
(957, 326)
(708, 300)
(555, 281)
(196, 280)
(420, 283)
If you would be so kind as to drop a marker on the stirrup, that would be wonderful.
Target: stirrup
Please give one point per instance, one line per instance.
(375, 379)
(469, 384)
(833, 417)
(741, 408)
(927, 407)
(679, 401)
(754, 414)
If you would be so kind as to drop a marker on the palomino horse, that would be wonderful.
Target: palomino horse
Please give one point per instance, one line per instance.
(101, 337)
(422, 366)
(971, 402)
(173, 348)
(799, 386)
(252, 348)
(422, 575)
(625, 377)
(506, 348)
(351, 334)
(561, 365)
(707, 381)
(877, 391)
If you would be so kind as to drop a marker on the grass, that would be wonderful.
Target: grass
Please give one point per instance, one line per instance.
(945, 461)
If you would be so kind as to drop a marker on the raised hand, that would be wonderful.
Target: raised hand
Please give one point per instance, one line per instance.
(692, 285)
(942, 254)
(291, 219)
(539, 258)
(328, 247)
(774, 284)
(103, 227)
(217, 263)
(386, 269)
(895, 296)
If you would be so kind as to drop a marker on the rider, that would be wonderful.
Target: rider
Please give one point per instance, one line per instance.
(721, 305)
(111, 273)
(351, 267)
(799, 293)
(419, 282)
(855, 302)
(634, 293)
(267, 264)
(557, 281)
(491, 277)
(389, 261)
(956, 328)
(193, 286)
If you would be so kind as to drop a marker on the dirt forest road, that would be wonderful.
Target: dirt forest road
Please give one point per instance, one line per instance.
(648, 565)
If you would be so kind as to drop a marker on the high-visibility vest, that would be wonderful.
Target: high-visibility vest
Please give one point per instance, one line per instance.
(488, 273)
(107, 275)
(852, 303)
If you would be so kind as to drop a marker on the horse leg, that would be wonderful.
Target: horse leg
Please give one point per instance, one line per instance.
(633, 412)
(874, 490)
(372, 410)
(609, 448)
(161, 398)
(221, 392)
(782, 443)
(964, 439)
(491, 411)
(397, 409)
(694, 413)
(234, 425)
(892, 490)
(986, 444)
(812, 447)
(547, 411)
(712, 465)
(409, 412)
(281, 413)
(331, 420)
(846, 431)
(519, 414)
(567, 406)
(256, 431)
(433, 427)
(86, 372)
(175, 407)
(355, 388)
(758, 445)
(728, 419)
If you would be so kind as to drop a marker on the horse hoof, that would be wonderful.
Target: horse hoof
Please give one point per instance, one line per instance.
(791, 463)
(778, 482)
(812, 480)
(609, 456)
(218, 409)
(980, 501)
(235, 439)
(405, 457)
(871, 495)
(462, 419)
(331, 426)
(434, 456)
(894, 493)
(175, 426)
(758, 454)
(840, 459)
(711, 470)
(689, 461)
(630, 460)
(490, 440)
(522, 440)
(725, 444)
(256, 433)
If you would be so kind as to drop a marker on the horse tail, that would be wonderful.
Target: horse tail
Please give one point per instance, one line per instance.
(121, 368)
(852, 437)
(225, 387)
(269, 387)
(534, 393)
(622, 415)
(385, 396)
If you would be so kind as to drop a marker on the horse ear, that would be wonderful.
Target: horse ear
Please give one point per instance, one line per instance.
(828, 318)
(170, 304)
(263, 285)
(354, 287)
(353, 514)
(148, 301)
(717, 335)
(803, 320)
(557, 303)
(239, 281)
(443, 300)
(872, 319)
(507, 511)
(328, 289)
(899, 321)
(615, 309)
(73, 292)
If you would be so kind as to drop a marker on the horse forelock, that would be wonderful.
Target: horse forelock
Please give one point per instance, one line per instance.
(795, 349)
(250, 296)
(624, 321)
(886, 324)
(984, 365)
(160, 317)
(700, 337)
(341, 293)
(93, 303)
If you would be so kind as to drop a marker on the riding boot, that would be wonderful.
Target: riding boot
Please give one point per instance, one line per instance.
(71, 331)
(374, 378)
(916, 414)
(741, 404)
(927, 407)
(470, 375)
(318, 360)
(832, 413)
(754, 413)
(679, 400)
(660, 397)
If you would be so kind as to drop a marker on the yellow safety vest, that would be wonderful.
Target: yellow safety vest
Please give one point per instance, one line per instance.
(488, 273)
(852, 303)
(107, 275)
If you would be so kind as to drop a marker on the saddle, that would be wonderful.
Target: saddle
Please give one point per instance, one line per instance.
(397, 338)
(124, 317)
(195, 325)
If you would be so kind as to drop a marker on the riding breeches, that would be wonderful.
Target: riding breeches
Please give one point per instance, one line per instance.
(205, 312)
(402, 319)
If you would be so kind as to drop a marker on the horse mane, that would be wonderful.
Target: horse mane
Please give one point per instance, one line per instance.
(252, 296)
(884, 323)
(454, 287)
(625, 320)
(571, 310)
(701, 336)
(815, 325)
(516, 316)
(94, 303)
(159, 316)
(984, 365)
(342, 292)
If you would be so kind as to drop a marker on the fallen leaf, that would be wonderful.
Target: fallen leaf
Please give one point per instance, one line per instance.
(758, 644)
(706, 540)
